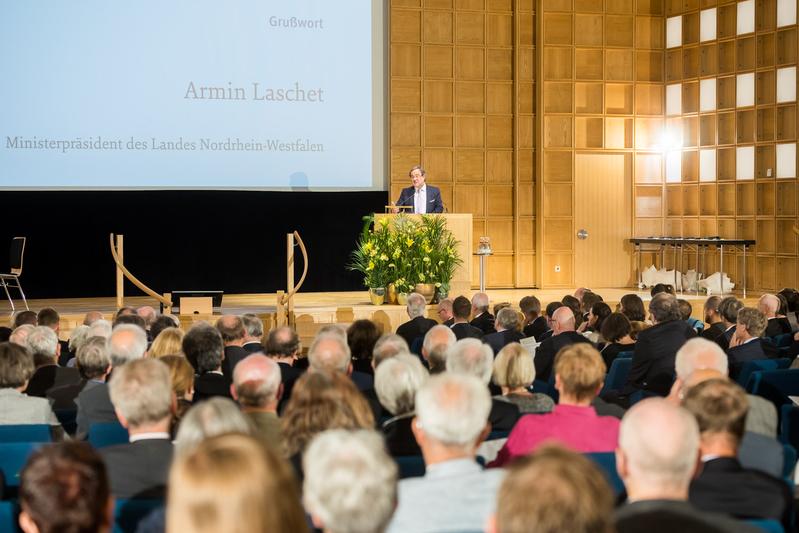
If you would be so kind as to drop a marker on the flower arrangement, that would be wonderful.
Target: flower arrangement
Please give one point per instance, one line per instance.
(406, 251)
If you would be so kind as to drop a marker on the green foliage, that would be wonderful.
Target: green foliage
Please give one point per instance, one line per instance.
(406, 251)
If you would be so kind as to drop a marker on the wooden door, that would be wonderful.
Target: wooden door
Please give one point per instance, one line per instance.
(603, 208)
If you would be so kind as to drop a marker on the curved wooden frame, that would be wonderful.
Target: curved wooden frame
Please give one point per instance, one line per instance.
(133, 279)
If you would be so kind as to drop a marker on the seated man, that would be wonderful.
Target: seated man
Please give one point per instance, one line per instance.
(350, 482)
(283, 346)
(256, 386)
(455, 494)
(205, 350)
(330, 352)
(43, 343)
(253, 333)
(472, 357)
(555, 490)
(745, 344)
(396, 382)
(482, 319)
(232, 330)
(507, 324)
(64, 487)
(49, 317)
(461, 308)
(563, 334)
(769, 305)
(142, 396)
(418, 325)
(434, 348)
(656, 467)
(715, 323)
(723, 485)
(653, 359)
(579, 373)
(728, 309)
(93, 363)
(444, 311)
(535, 324)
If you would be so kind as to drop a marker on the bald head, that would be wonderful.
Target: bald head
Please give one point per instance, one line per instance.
(232, 329)
(699, 354)
(769, 305)
(657, 464)
(256, 382)
(330, 352)
(91, 317)
(283, 342)
(147, 313)
(563, 320)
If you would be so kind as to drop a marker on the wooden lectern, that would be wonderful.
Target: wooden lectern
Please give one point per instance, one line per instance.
(460, 224)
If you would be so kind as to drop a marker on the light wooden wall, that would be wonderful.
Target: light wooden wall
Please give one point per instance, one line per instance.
(461, 104)
(602, 72)
(722, 95)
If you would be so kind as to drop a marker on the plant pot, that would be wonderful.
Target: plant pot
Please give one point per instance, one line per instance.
(391, 294)
(377, 295)
(402, 298)
(442, 293)
(428, 290)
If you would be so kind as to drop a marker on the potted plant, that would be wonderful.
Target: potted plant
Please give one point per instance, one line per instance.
(371, 259)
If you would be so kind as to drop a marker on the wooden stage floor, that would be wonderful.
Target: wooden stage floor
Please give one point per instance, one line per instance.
(316, 309)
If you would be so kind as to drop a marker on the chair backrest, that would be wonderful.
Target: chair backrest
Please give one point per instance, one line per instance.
(25, 433)
(9, 513)
(13, 456)
(782, 340)
(107, 434)
(789, 425)
(769, 526)
(625, 355)
(16, 254)
(617, 375)
(607, 463)
(410, 466)
(753, 366)
(789, 461)
(128, 513)
(775, 385)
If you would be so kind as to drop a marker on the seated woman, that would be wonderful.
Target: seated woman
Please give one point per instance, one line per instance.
(593, 326)
(361, 338)
(396, 381)
(579, 373)
(514, 373)
(617, 331)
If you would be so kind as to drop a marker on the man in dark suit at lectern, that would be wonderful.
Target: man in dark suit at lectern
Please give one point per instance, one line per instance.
(422, 198)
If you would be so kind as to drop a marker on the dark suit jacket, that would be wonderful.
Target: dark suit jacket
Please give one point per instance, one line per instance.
(399, 437)
(738, 355)
(611, 350)
(723, 340)
(499, 340)
(724, 486)
(415, 328)
(49, 377)
(288, 376)
(434, 203)
(712, 332)
(546, 352)
(466, 331)
(233, 354)
(449, 322)
(777, 326)
(64, 397)
(536, 328)
(94, 406)
(363, 381)
(545, 335)
(653, 358)
(64, 355)
(669, 516)
(484, 323)
(503, 415)
(139, 469)
(209, 385)
(253, 347)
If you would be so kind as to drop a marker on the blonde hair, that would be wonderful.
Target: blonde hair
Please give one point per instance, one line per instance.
(513, 367)
(232, 483)
(168, 342)
(581, 370)
(181, 374)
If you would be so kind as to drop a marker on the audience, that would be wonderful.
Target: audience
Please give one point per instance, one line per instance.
(130, 319)
(455, 494)
(597, 315)
(76, 340)
(329, 352)
(617, 332)
(653, 359)
(461, 309)
(50, 318)
(632, 306)
(514, 373)
(713, 319)
(19, 335)
(396, 381)
(253, 333)
(507, 325)
(148, 314)
(362, 335)
(231, 327)
(26, 317)
(563, 334)
(168, 342)
(100, 328)
(686, 310)
(350, 483)
(127, 343)
(16, 369)
(256, 386)
(43, 344)
(93, 364)
(161, 323)
(142, 397)
(579, 374)
(444, 311)
(434, 348)
(91, 317)
(728, 309)
(550, 311)
(534, 324)
(769, 305)
(181, 375)
(657, 467)
(232, 483)
(553, 491)
(723, 485)
(205, 351)
(576, 307)
(215, 416)
(64, 488)
(418, 324)
(481, 318)
(472, 357)
(283, 347)
(745, 343)
(388, 345)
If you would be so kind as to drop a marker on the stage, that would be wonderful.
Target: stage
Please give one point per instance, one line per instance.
(315, 309)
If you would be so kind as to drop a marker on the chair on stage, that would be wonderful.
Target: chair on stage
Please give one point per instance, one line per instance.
(11, 280)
